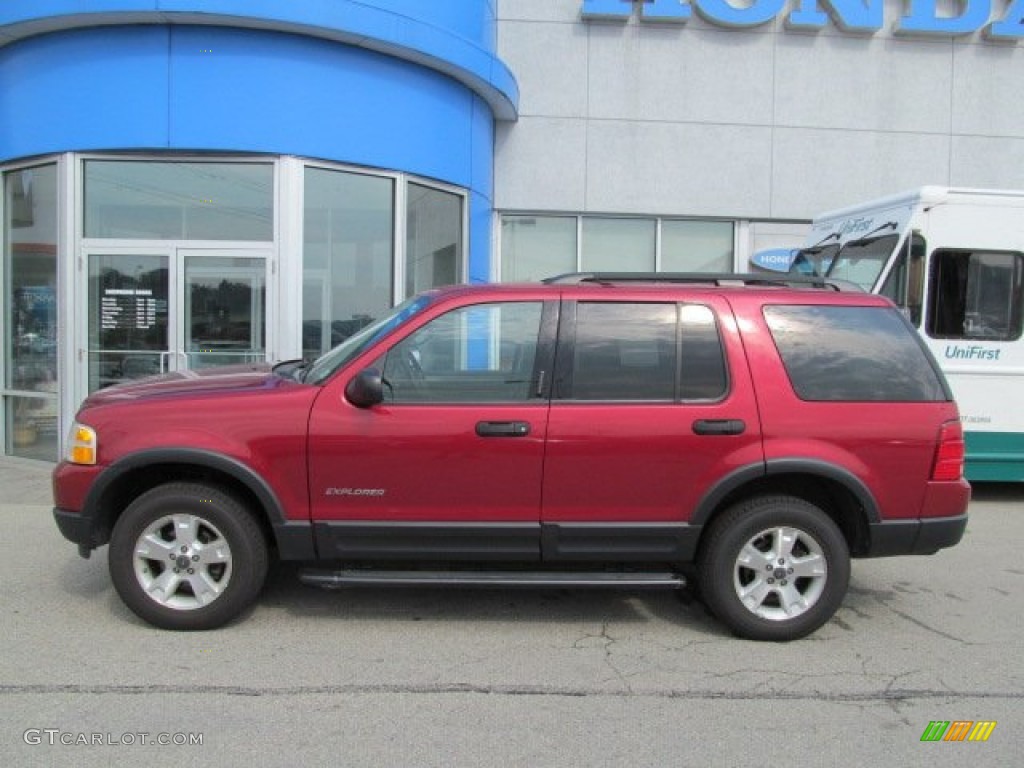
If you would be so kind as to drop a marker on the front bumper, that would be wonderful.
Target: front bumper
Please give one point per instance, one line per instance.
(76, 528)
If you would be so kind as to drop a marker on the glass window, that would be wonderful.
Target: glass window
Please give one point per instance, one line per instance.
(618, 245)
(696, 246)
(128, 310)
(624, 352)
(225, 310)
(535, 247)
(30, 310)
(861, 261)
(347, 257)
(179, 200)
(975, 295)
(433, 239)
(853, 353)
(702, 368)
(905, 283)
(483, 353)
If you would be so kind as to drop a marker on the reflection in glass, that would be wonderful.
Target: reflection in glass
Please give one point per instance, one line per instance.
(433, 239)
(30, 311)
(481, 353)
(976, 295)
(625, 352)
(348, 253)
(127, 317)
(703, 373)
(862, 261)
(225, 310)
(179, 200)
(853, 354)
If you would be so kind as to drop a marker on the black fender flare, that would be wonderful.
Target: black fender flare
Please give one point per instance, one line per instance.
(294, 538)
(775, 467)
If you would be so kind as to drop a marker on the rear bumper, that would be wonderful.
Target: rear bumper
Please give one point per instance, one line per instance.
(915, 537)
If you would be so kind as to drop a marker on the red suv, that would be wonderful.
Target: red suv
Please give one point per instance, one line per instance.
(631, 430)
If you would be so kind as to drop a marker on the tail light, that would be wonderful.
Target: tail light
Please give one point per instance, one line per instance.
(949, 455)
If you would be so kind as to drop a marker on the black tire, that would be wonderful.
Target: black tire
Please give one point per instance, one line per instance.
(775, 600)
(187, 556)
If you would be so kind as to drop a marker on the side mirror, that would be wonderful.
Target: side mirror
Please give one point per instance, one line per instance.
(366, 389)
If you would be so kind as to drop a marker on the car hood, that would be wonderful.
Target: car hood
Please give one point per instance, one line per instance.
(206, 381)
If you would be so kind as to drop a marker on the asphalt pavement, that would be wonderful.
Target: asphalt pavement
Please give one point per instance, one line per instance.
(548, 677)
(24, 482)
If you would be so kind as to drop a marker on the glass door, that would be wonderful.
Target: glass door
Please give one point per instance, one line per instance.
(130, 316)
(172, 309)
(225, 310)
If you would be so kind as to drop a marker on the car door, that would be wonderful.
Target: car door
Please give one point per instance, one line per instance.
(449, 465)
(653, 405)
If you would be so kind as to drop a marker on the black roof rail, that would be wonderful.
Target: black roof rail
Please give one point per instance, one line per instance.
(711, 278)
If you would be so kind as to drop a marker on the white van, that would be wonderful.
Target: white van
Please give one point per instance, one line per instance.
(953, 259)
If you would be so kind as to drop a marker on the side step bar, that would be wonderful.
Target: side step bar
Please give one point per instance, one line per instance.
(357, 577)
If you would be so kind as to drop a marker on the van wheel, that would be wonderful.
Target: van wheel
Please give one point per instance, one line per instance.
(187, 556)
(774, 568)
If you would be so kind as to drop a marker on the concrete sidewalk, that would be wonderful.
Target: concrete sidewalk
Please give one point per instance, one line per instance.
(25, 482)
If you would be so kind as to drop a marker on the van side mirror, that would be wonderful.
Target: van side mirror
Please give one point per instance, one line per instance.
(366, 388)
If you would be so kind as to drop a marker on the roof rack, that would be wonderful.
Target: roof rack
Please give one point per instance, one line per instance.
(712, 278)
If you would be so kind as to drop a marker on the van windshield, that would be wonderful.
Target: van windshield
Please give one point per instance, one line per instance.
(813, 261)
(862, 261)
(354, 345)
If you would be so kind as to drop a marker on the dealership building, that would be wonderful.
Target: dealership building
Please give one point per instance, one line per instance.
(196, 182)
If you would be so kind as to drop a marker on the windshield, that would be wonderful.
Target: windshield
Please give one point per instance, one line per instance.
(324, 366)
(813, 261)
(862, 261)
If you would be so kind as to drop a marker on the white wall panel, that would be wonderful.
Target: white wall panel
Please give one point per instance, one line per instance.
(979, 161)
(677, 74)
(550, 65)
(987, 85)
(541, 164)
(765, 122)
(817, 170)
(678, 168)
(863, 83)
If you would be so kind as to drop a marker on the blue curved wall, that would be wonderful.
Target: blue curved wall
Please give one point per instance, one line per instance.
(404, 85)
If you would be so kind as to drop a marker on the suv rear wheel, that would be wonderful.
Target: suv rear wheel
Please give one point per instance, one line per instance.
(187, 556)
(774, 568)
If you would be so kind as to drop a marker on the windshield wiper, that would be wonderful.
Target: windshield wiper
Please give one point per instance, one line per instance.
(867, 238)
(817, 247)
(294, 369)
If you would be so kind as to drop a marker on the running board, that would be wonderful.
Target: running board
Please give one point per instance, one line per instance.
(372, 578)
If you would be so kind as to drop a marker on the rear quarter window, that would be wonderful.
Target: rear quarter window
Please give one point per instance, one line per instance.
(853, 353)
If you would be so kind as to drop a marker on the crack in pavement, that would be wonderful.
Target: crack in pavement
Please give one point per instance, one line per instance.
(607, 642)
(885, 695)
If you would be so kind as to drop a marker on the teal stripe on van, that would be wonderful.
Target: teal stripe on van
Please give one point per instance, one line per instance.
(996, 456)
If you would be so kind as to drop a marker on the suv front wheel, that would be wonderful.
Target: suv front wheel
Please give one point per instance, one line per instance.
(187, 556)
(774, 568)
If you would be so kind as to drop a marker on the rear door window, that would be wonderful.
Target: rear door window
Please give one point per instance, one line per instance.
(834, 353)
(626, 351)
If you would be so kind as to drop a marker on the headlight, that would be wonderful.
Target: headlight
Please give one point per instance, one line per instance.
(82, 445)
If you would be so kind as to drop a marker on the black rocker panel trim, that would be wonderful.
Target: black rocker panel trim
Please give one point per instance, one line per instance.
(506, 542)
